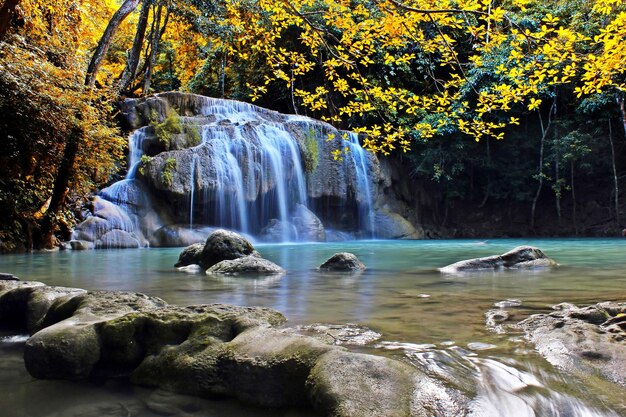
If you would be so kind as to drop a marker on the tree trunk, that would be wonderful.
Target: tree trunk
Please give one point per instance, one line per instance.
(133, 59)
(544, 133)
(574, 214)
(622, 109)
(107, 37)
(557, 176)
(616, 185)
(157, 32)
(7, 13)
(223, 76)
(62, 180)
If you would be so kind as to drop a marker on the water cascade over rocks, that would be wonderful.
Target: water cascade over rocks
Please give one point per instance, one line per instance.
(199, 163)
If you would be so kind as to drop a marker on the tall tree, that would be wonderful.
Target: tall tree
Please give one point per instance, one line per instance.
(130, 70)
(107, 37)
(8, 13)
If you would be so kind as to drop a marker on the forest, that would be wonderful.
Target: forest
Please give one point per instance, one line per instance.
(497, 108)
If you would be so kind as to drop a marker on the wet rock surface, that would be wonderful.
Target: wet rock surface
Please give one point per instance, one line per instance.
(521, 257)
(247, 265)
(342, 262)
(338, 334)
(227, 253)
(211, 351)
(582, 340)
(223, 245)
(191, 255)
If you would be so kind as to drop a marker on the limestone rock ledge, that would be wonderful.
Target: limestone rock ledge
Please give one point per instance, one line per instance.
(587, 340)
(212, 351)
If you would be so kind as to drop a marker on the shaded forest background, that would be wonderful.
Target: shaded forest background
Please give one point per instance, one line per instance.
(552, 162)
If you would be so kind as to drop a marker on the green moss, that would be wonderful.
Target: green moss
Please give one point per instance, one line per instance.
(193, 135)
(311, 156)
(166, 129)
(145, 160)
(167, 175)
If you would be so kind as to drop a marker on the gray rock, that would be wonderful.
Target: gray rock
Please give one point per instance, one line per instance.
(212, 351)
(179, 235)
(191, 255)
(91, 229)
(224, 245)
(14, 297)
(81, 245)
(308, 226)
(584, 341)
(8, 277)
(354, 385)
(70, 345)
(191, 269)
(278, 231)
(390, 225)
(117, 239)
(337, 334)
(521, 257)
(343, 261)
(247, 265)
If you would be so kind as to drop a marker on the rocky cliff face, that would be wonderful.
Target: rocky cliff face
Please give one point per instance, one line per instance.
(197, 161)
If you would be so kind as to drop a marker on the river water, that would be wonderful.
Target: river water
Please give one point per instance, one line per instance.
(434, 321)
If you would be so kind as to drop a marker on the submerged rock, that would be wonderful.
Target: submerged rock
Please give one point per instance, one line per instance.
(343, 261)
(588, 340)
(247, 265)
(521, 257)
(338, 334)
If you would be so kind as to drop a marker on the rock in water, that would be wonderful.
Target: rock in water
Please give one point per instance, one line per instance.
(191, 255)
(278, 231)
(308, 226)
(247, 265)
(8, 277)
(588, 340)
(212, 351)
(343, 261)
(117, 239)
(223, 245)
(521, 257)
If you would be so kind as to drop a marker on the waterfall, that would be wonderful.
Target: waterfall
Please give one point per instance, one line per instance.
(358, 157)
(135, 152)
(246, 173)
(193, 189)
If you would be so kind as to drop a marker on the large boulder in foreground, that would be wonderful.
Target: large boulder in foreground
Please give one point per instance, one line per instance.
(248, 265)
(521, 257)
(213, 351)
(588, 340)
(342, 262)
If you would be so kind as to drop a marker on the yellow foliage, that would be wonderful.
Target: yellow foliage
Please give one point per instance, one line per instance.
(346, 39)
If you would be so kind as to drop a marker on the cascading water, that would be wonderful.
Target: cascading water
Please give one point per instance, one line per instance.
(194, 161)
(358, 157)
(247, 172)
(135, 152)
